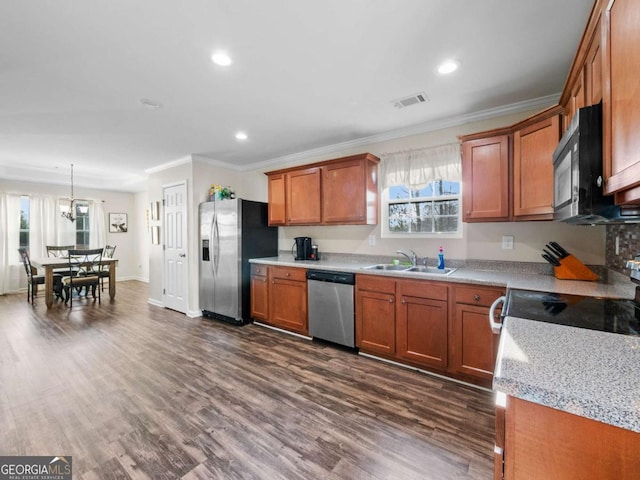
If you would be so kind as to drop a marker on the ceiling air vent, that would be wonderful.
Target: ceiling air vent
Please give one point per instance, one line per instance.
(411, 100)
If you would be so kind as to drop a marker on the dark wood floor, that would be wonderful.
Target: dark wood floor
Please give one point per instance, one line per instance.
(135, 391)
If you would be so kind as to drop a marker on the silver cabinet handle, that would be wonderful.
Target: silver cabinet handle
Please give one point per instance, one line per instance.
(476, 298)
(495, 326)
(391, 300)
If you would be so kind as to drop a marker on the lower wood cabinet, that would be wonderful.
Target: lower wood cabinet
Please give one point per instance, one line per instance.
(376, 314)
(473, 346)
(279, 297)
(259, 292)
(288, 299)
(421, 325)
(439, 326)
(544, 443)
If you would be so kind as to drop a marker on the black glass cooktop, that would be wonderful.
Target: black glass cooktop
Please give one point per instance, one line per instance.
(603, 314)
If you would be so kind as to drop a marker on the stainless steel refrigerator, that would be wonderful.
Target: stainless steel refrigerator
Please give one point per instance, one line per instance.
(231, 232)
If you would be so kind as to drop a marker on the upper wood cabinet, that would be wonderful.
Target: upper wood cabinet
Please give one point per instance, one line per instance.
(343, 191)
(485, 177)
(350, 192)
(303, 196)
(533, 147)
(507, 174)
(621, 96)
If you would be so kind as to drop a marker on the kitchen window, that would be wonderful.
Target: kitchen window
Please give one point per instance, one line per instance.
(421, 193)
(422, 212)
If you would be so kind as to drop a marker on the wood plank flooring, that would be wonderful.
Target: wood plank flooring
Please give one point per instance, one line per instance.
(135, 391)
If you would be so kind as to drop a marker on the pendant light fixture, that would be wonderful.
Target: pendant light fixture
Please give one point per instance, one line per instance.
(68, 213)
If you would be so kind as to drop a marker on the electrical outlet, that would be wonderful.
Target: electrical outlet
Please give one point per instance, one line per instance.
(372, 240)
(507, 242)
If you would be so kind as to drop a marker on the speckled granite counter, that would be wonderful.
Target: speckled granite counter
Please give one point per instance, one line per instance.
(584, 372)
(527, 276)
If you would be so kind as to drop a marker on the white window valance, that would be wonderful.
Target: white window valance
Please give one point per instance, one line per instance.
(416, 168)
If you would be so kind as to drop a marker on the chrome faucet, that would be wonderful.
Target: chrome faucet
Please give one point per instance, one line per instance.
(413, 258)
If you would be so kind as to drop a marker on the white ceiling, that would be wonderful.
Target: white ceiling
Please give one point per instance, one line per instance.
(306, 75)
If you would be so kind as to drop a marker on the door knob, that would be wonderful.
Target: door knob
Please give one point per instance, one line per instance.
(182, 255)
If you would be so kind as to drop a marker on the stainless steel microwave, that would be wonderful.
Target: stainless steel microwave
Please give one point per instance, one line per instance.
(578, 180)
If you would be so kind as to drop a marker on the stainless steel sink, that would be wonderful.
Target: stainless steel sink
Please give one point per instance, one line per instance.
(410, 269)
(388, 266)
(434, 270)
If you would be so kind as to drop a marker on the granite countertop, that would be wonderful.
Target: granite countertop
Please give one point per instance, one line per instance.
(521, 275)
(584, 372)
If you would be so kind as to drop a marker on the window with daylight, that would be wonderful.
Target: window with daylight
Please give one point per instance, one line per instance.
(82, 224)
(421, 192)
(433, 209)
(24, 221)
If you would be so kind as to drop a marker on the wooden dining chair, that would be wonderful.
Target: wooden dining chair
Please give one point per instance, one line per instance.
(34, 280)
(86, 264)
(59, 251)
(108, 252)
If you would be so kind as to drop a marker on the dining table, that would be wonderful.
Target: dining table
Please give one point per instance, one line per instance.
(48, 264)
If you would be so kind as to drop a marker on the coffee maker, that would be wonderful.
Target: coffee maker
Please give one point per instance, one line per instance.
(302, 246)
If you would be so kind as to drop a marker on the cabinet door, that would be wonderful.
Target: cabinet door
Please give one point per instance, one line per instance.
(593, 70)
(422, 330)
(533, 149)
(344, 193)
(259, 297)
(303, 197)
(277, 202)
(375, 322)
(474, 345)
(288, 305)
(485, 175)
(621, 99)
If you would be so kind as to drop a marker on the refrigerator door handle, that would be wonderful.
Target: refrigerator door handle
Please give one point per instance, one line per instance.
(215, 235)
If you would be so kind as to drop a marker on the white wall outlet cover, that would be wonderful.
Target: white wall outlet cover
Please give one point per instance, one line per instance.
(372, 240)
(507, 242)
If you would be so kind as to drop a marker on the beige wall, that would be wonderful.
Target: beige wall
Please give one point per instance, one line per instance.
(480, 240)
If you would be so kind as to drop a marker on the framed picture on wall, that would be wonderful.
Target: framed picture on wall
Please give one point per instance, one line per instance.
(118, 223)
(155, 210)
(155, 235)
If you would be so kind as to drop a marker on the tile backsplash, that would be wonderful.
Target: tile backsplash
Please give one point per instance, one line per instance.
(628, 244)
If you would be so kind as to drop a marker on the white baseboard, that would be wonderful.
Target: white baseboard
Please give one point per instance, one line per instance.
(194, 313)
(156, 303)
(131, 277)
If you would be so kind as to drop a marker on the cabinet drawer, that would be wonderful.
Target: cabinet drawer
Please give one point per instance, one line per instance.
(423, 289)
(376, 284)
(477, 296)
(259, 270)
(289, 273)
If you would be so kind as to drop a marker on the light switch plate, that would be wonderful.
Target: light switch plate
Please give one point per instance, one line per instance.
(507, 242)
(372, 240)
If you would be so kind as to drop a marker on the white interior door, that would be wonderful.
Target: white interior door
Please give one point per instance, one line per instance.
(176, 273)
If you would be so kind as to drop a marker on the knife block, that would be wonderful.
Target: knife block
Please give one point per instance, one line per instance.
(573, 269)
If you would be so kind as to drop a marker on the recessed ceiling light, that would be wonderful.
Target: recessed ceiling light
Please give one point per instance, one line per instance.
(221, 58)
(241, 136)
(150, 103)
(449, 66)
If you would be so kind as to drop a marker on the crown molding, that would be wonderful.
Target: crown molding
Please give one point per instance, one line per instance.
(535, 103)
(168, 165)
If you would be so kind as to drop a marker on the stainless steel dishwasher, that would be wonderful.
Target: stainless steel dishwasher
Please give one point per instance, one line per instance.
(331, 306)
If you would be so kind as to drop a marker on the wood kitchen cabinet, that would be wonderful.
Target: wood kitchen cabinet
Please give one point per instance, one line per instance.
(350, 191)
(287, 298)
(421, 323)
(533, 146)
(473, 347)
(621, 96)
(277, 199)
(342, 191)
(485, 176)
(543, 443)
(376, 314)
(259, 292)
